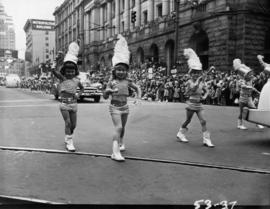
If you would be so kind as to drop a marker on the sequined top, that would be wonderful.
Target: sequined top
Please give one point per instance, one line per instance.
(69, 85)
(121, 86)
(195, 93)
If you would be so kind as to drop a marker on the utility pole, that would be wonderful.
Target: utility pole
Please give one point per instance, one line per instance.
(176, 6)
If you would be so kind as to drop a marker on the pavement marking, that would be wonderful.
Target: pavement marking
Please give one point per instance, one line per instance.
(27, 199)
(266, 153)
(24, 100)
(188, 163)
(37, 105)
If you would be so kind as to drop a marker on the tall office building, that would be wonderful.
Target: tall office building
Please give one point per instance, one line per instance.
(7, 33)
(40, 42)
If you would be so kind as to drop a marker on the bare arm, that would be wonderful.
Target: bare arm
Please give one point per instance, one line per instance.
(137, 89)
(81, 89)
(56, 73)
(108, 91)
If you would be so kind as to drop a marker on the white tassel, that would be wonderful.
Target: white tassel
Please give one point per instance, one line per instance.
(194, 62)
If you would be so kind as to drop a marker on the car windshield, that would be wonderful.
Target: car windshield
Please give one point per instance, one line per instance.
(84, 77)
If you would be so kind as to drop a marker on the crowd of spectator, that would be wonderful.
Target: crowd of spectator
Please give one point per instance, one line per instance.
(222, 87)
(35, 83)
(156, 85)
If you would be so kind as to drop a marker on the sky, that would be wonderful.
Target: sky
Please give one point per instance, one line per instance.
(21, 10)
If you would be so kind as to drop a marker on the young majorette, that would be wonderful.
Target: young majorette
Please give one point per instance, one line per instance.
(117, 87)
(195, 89)
(68, 92)
(246, 89)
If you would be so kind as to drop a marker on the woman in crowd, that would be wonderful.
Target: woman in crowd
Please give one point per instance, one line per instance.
(118, 89)
(195, 89)
(68, 92)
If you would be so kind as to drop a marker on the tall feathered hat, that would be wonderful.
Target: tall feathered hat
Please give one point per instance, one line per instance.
(71, 58)
(121, 52)
(72, 54)
(194, 62)
(241, 68)
(264, 64)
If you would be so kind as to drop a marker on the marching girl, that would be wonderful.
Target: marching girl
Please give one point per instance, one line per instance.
(118, 87)
(195, 89)
(68, 92)
(246, 89)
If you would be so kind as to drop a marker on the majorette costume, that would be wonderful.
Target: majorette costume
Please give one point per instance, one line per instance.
(246, 89)
(118, 88)
(68, 88)
(195, 90)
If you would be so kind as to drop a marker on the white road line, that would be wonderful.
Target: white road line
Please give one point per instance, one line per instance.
(24, 100)
(41, 105)
(266, 153)
(28, 199)
(195, 164)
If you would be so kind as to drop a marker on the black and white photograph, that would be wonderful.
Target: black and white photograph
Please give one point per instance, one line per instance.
(135, 103)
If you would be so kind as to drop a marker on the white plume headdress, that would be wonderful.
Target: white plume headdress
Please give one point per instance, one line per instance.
(121, 51)
(265, 65)
(72, 54)
(240, 67)
(194, 62)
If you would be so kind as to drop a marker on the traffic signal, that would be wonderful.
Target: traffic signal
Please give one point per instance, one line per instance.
(133, 16)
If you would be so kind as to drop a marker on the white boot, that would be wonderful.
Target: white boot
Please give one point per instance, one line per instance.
(122, 147)
(260, 126)
(116, 155)
(69, 143)
(206, 139)
(240, 125)
(181, 135)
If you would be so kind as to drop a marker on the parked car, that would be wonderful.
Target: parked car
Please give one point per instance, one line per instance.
(92, 89)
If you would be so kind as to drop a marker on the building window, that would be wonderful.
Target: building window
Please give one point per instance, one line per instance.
(145, 20)
(105, 13)
(47, 56)
(159, 10)
(123, 5)
(133, 4)
(47, 44)
(122, 26)
(113, 9)
(46, 32)
(46, 38)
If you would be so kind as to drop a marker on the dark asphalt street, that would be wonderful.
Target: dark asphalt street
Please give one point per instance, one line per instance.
(158, 169)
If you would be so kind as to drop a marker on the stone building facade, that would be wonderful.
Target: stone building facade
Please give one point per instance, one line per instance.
(218, 30)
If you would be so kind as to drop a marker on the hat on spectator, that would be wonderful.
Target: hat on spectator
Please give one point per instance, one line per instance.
(71, 58)
(194, 62)
(121, 52)
(264, 64)
(241, 68)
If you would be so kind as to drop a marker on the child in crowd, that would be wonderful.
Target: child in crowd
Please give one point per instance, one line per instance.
(195, 89)
(68, 92)
(117, 87)
(246, 89)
